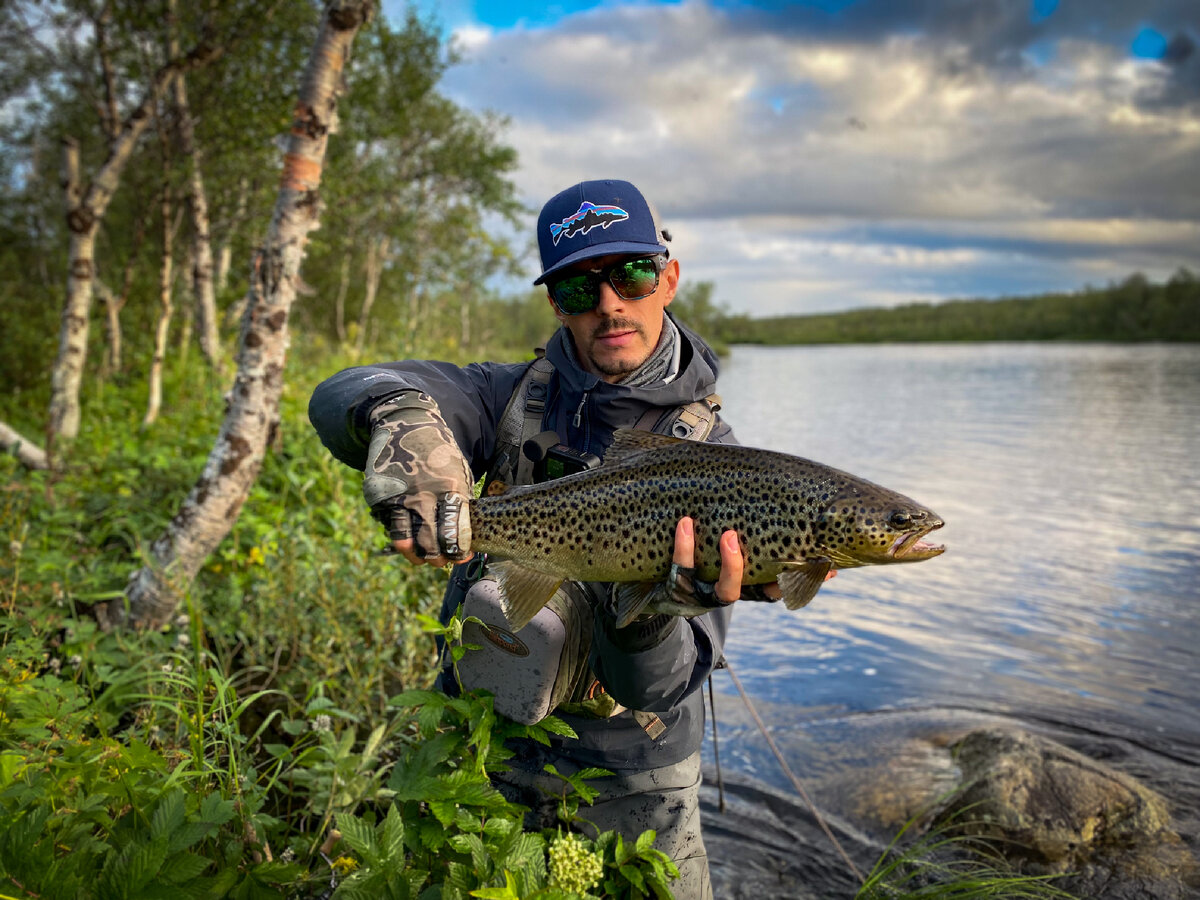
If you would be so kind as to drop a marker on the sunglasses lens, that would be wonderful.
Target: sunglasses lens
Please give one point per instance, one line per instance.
(634, 279)
(575, 295)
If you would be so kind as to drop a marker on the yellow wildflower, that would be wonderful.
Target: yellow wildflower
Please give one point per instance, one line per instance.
(344, 865)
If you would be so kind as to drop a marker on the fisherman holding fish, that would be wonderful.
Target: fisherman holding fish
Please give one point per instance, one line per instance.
(606, 588)
(423, 431)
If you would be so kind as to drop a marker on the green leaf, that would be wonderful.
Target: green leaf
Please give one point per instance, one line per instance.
(359, 835)
(189, 834)
(443, 811)
(391, 837)
(645, 840)
(432, 834)
(508, 892)
(168, 817)
(418, 698)
(183, 867)
(144, 863)
(635, 877)
(216, 810)
(593, 772)
(557, 726)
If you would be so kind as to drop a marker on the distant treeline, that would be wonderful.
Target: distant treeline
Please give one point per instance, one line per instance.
(1134, 310)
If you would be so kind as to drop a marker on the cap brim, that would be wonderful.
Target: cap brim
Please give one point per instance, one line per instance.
(606, 249)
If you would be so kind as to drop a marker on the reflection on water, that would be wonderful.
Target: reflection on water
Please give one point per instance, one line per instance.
(1069, 482)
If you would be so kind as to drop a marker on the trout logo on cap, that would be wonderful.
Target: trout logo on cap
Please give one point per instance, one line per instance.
(584, 219)
(574, 225)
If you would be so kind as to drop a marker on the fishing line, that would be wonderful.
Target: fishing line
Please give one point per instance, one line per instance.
(712, 707)
(788, 772)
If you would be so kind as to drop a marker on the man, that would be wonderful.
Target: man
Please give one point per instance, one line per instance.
(424, 431)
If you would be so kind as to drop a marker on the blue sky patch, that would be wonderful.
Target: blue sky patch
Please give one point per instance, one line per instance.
(1149, 44)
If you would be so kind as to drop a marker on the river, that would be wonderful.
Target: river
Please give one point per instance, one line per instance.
(1066, 602)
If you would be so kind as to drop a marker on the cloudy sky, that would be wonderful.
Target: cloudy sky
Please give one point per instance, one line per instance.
(843, 153)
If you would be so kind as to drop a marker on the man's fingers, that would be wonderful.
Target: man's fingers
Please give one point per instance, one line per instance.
(729, 583)
(408, 550)
(685, 543)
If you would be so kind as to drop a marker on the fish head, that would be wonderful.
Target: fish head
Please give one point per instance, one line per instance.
(865, 525)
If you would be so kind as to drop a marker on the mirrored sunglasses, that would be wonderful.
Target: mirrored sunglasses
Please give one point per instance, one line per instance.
(631, 279)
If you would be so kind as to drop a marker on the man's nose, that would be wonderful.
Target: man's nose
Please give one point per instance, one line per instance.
(609, 300)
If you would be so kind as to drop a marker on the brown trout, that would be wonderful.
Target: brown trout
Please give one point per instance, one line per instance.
(796, 520)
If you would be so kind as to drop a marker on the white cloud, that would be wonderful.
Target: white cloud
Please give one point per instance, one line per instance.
(770, 147)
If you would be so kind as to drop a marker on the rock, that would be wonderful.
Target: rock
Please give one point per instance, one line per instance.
(1052, 811)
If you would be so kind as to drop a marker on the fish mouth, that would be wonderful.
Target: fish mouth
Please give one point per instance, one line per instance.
(910, 547)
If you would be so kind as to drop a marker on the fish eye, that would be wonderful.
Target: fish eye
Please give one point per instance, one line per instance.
(900, 519)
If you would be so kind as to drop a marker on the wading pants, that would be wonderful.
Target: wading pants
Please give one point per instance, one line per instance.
(666, 800)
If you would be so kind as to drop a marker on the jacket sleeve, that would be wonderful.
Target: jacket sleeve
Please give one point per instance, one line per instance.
(660, 677)
(471, 400)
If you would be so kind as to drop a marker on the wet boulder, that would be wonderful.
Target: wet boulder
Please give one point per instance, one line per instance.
(1051, 810)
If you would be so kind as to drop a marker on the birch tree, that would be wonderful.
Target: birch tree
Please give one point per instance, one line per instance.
(86, 204)
(166, 277)
(252, 416)
(28, 453)
(204, 296)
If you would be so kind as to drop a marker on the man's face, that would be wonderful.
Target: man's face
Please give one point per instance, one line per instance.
(619, 335)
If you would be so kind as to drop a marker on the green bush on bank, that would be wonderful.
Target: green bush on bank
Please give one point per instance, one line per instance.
(275, 739)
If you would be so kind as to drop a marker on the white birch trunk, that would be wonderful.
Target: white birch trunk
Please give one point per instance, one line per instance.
(252, 414)
(85, 210)
(112, 316)
(202, 256)
(340, 303)
(186, 325)
(376, 257)
(27, 453)
(225, 254)
(114, 303)
(165, 308)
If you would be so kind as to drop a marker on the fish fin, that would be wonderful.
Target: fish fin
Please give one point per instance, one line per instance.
(632, 597)
(523, 591)
(495, 488)
(629, 442)
(801, 581)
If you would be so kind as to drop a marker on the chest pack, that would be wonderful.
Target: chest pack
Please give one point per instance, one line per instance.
(544, 666)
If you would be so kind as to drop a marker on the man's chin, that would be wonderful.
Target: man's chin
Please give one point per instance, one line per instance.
(616, 366)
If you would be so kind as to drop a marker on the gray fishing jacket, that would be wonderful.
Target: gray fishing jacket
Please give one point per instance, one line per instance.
(584, 411)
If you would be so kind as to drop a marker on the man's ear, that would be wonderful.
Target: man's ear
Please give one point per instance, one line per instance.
(558, 314)
(671, 276)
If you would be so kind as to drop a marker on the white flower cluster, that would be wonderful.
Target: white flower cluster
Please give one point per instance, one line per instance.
(573, 867)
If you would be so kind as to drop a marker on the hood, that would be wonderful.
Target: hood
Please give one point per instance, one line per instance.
(610, 406)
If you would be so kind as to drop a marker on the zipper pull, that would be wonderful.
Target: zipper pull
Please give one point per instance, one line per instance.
(579, 411)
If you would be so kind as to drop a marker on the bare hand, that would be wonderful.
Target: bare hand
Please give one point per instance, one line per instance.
(729, 582)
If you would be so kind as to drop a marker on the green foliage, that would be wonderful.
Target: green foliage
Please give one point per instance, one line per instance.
(225, 754)
(694, 306)
(1134, 310)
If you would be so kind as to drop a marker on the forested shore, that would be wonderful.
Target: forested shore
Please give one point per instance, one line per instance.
(1137, 309)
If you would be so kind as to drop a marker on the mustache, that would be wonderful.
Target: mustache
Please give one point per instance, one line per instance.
(612, 326)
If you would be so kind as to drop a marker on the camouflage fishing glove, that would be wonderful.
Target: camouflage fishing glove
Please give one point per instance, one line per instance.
(684, 587)
(417, 481)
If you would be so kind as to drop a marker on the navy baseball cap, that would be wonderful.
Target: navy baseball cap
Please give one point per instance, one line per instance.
(596, 218)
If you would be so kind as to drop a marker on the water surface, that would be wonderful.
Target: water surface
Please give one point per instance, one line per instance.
(1067, 599)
